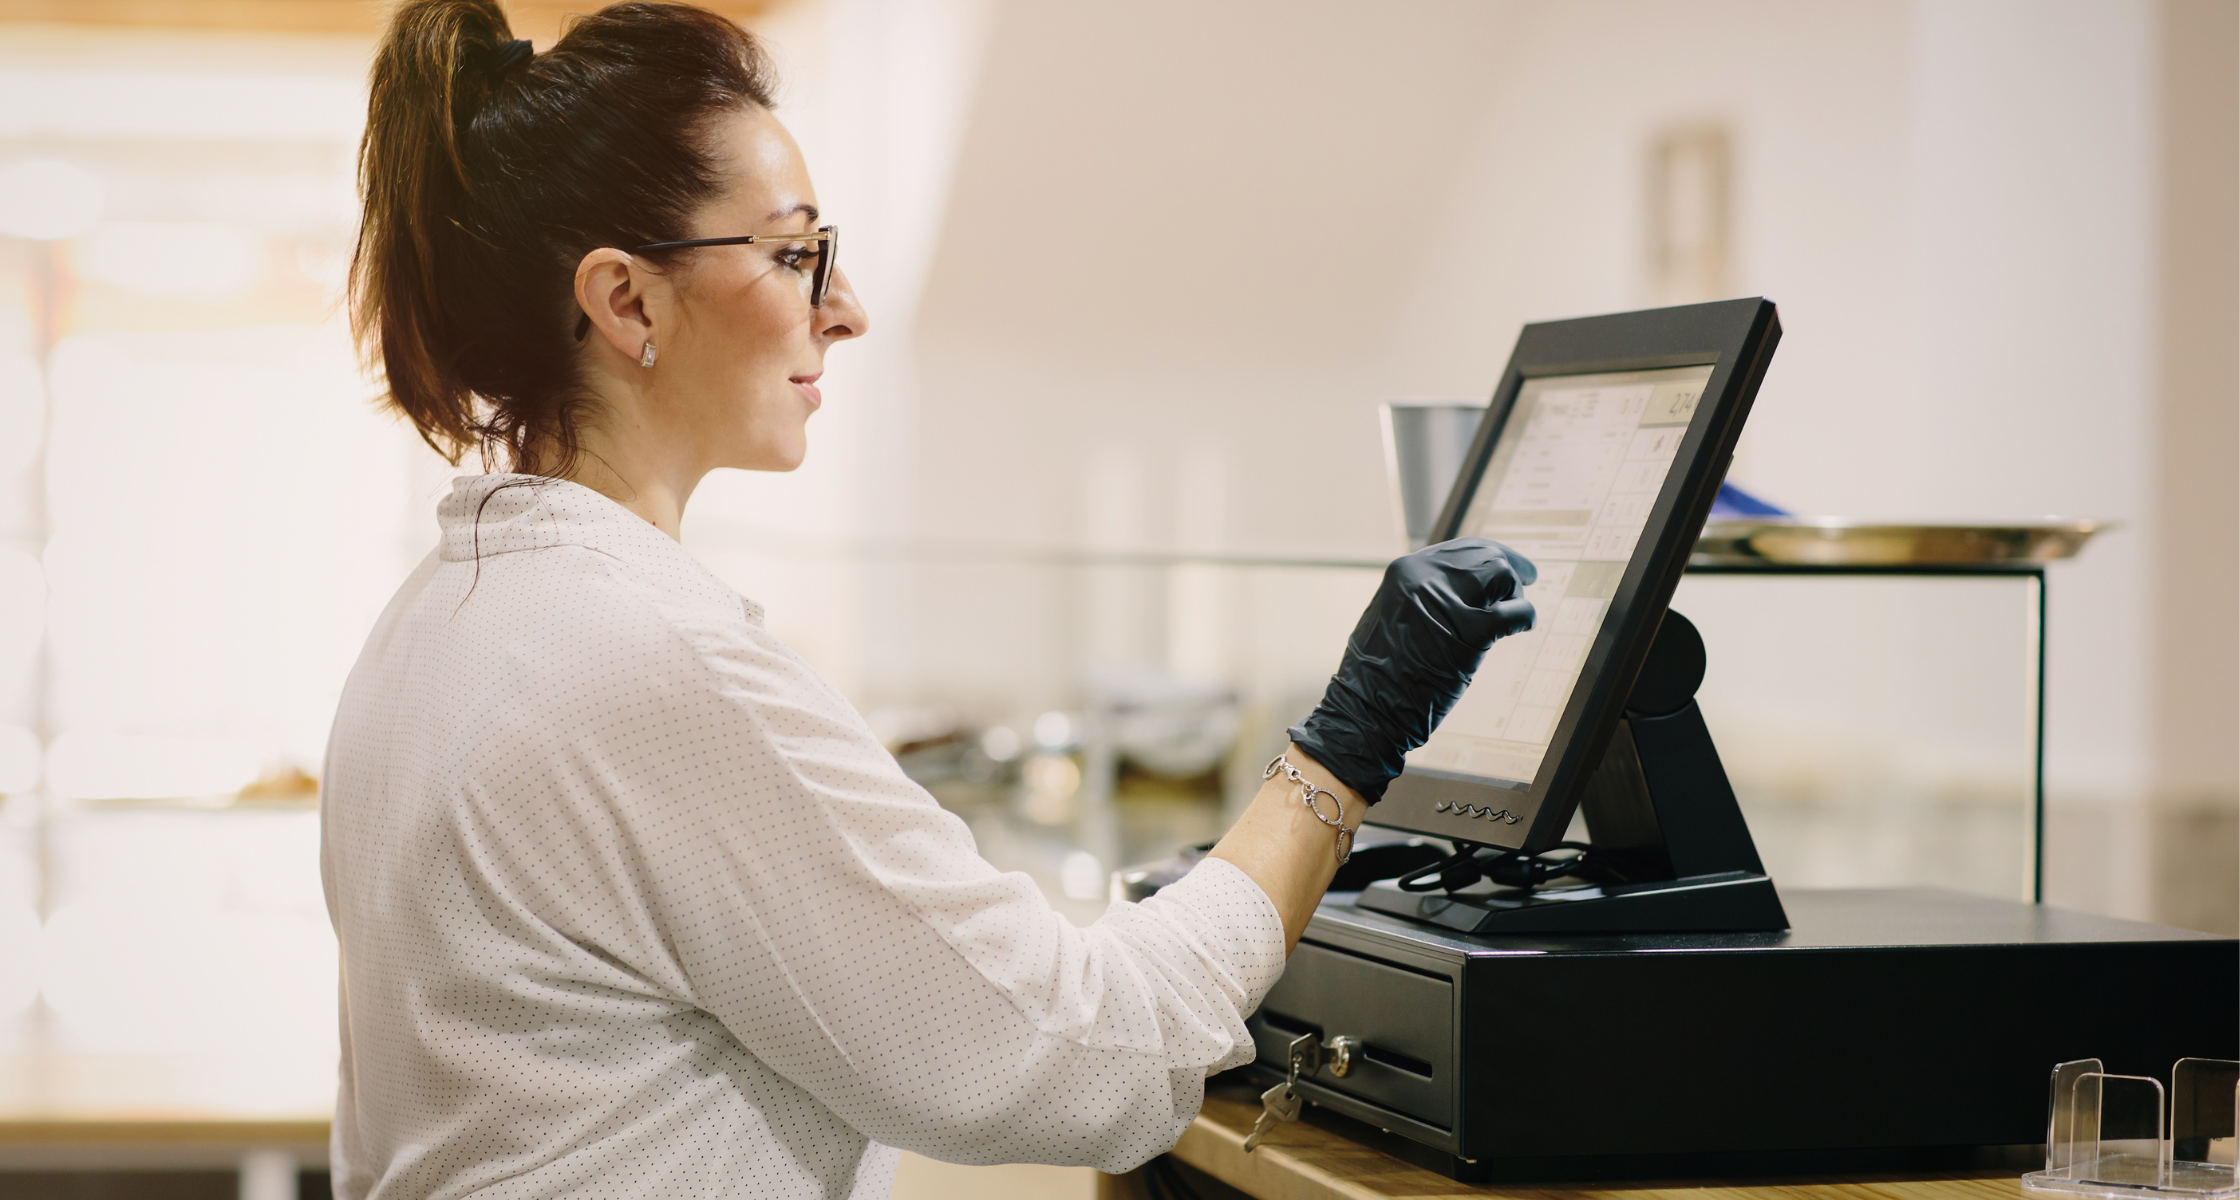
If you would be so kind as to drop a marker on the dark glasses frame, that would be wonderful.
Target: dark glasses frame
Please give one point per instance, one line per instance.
(828, 237)
(820, 282)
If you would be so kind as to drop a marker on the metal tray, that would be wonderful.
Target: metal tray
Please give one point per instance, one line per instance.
(1850, 542)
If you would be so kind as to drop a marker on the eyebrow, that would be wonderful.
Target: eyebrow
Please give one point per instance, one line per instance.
(796, 210)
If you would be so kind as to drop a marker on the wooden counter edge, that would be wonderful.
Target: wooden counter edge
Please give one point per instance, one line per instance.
(1304, 1162)
(154, 1130)
(1272, 1170)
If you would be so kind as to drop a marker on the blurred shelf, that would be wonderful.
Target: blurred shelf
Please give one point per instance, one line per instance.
(182, 1093)
(129, 1130)
(539, 18)
(1849, 544)
(1785, 545)
(77, 1112)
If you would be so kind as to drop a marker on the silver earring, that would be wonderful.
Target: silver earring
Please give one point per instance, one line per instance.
(646, 359)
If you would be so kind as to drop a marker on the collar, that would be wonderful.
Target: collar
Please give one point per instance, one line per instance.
(489, 515)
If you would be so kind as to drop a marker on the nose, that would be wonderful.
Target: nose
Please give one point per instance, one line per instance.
(841, 316)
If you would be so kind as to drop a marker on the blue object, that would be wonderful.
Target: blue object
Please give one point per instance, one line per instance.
(1732, 503)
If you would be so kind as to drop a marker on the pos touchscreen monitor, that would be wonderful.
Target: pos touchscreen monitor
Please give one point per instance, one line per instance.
(1598, 459)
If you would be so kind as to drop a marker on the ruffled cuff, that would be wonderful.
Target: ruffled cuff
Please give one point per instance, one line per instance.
(1235, 926)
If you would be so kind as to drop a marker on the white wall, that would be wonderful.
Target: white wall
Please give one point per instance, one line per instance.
(1189, 247)
(2198, 568)
(876, 92)
(1180, 236)
(2031, 336)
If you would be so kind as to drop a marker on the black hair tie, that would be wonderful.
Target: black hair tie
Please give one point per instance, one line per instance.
(510, 55)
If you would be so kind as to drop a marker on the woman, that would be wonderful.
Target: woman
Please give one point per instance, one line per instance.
(632, 903)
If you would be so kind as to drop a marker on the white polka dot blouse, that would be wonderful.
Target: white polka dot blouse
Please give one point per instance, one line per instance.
(633, 904)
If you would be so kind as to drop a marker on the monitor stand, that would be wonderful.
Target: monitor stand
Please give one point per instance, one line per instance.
(1663, 823)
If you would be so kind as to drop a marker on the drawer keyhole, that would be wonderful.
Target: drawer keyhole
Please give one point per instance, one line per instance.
(1342, 1050)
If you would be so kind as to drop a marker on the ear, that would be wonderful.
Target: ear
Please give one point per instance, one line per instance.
(611, 289)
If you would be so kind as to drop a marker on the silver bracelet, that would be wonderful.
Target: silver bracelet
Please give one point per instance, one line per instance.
(1307, 793)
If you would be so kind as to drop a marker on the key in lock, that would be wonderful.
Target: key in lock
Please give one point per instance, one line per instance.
(1283, 1102)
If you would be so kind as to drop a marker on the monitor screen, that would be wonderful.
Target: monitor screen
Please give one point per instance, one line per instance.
(1570, 484)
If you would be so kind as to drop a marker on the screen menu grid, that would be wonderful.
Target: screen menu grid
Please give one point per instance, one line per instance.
(1570, 484)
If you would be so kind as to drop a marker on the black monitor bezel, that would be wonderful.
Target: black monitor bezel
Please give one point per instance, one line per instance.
(1736, 338)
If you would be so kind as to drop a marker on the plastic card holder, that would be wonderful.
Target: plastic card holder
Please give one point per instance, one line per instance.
(2203, 1093)
(2124, 1136)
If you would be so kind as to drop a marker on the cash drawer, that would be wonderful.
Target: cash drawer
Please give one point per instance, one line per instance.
(1404, 1018)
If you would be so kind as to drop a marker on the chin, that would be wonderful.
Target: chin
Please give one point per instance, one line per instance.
(766, 449)
(787, 458)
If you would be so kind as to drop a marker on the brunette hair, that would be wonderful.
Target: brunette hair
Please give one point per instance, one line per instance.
(488, 173)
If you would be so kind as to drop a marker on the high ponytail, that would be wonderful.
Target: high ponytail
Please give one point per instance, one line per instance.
(487, 174)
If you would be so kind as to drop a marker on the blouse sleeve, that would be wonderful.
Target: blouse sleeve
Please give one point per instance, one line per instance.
(842, 926)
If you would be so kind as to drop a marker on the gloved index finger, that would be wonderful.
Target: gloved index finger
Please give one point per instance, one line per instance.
(1527, 574)
(1491, 556)
(1514, 616)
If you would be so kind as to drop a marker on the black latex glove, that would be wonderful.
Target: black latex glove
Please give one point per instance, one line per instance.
(1412, 655)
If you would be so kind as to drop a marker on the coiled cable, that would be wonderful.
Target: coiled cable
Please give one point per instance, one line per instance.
(1473, 861)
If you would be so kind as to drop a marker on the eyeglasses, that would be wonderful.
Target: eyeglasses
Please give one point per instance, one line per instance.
(827, 238)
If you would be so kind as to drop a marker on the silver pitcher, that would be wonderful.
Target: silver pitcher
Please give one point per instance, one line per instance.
(1424, 444)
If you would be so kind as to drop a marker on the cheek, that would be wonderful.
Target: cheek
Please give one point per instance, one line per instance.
(753, 344)
(766, 332)
(772, 318)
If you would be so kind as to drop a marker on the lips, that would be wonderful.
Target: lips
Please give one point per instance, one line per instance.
(808, 386)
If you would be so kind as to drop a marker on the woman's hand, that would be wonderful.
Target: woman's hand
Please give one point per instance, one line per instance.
(1413, 653)
(1405, 666)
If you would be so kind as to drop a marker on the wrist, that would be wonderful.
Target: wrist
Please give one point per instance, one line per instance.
(1313, 802)
(1284, 846)
(1339, 747)
(1320, 776)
